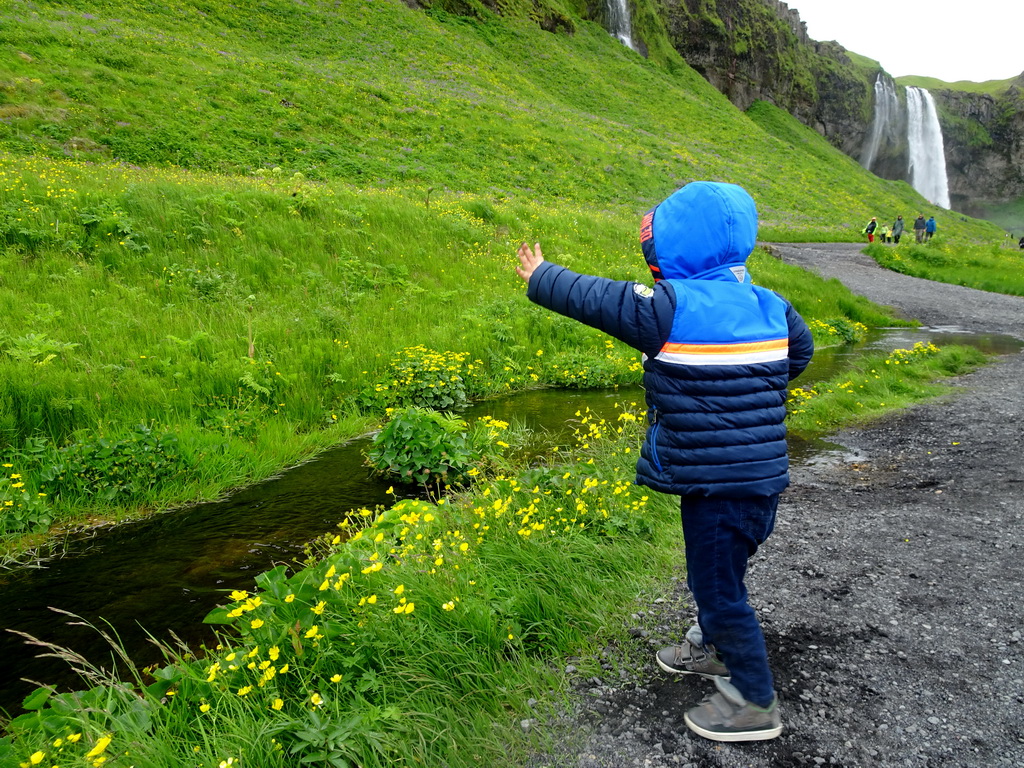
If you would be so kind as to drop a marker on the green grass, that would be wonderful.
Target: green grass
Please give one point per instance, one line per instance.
(420, 639)
(993, 87)
(230, 233)
(379, 94)
(258, 318)
(1009, 216)
(998, 267)
(877, 385)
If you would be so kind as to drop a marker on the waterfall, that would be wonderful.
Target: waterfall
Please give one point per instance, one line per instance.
(619, 22)
(927, 167)
(886, 118)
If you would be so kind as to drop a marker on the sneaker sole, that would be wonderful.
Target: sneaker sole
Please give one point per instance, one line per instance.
(674, 671)
(762, 734)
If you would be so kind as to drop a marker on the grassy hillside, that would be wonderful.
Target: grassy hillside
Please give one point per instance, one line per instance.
(232, 236)
(993, 87)
(384, 95)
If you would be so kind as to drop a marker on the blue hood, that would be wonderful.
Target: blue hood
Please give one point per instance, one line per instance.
(700, 231)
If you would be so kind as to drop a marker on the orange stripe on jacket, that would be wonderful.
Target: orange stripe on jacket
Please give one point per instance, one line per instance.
(725, 349)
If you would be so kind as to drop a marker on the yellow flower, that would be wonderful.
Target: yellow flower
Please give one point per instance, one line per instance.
(256, 623)
(273, 652)
(36, 758)
(73, 737)
(335, 678)
(278, 704)
(400, 589)
(244, 690)
(289, 598)
(371, 599)
(204, 707)
(100, 746)
(315, 700)
(449, 606)
(319, 607)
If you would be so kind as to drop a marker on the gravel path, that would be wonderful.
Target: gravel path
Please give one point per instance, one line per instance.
(890, 592)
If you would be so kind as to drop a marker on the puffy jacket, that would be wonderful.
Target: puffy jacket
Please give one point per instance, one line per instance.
(930, 225)
(718, 350)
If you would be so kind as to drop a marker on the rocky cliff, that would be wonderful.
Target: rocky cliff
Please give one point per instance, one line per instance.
(759, 50)
(984, 138)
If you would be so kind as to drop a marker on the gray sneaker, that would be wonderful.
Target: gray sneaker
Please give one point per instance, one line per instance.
(692, 657)
(727, 716)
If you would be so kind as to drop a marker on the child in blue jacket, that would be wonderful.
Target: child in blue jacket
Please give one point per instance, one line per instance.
(718, 354)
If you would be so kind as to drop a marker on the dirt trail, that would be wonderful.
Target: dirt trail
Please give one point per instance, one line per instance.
(891, 591)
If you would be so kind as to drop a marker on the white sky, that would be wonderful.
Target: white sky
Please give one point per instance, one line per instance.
(951, 40)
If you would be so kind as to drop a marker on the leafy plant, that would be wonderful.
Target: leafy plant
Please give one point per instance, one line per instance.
(419, 445)
(21, 507)
(107, 469)
(423, 378)
(35, 348)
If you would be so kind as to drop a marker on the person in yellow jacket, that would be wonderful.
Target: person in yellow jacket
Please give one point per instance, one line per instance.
(869, 230)
(883, 234)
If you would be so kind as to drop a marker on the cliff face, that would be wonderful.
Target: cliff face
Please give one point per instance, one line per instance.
(984, 140)
(759, 50)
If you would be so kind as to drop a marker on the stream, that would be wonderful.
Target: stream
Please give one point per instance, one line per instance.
(163, 574)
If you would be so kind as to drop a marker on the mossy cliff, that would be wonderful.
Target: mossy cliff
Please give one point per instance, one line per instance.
(984, 138)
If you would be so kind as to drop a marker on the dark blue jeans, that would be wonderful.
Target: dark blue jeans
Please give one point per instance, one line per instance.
(721, 535)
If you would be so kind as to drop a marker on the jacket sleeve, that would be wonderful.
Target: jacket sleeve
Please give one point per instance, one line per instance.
(631, 312)
(801, 344)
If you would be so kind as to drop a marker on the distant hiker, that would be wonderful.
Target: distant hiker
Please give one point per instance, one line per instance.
(1021, 243)
(718, 353)
(883, 233)
(919, 226)
(929, 228)
(897, 229)
(869, 230)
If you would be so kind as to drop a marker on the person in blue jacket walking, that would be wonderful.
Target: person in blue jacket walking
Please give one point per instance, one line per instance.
(718, 354)
(929, 228)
